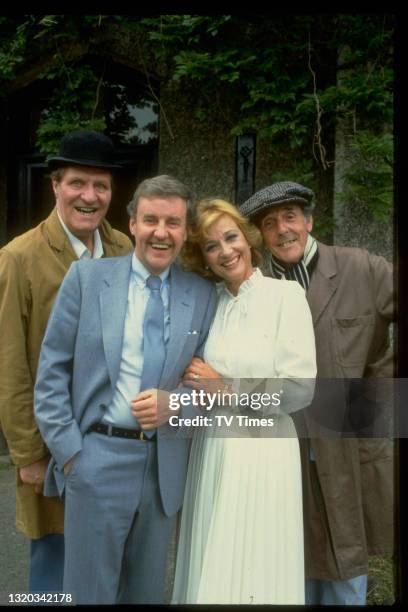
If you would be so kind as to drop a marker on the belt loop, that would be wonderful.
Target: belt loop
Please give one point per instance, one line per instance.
(110, 427)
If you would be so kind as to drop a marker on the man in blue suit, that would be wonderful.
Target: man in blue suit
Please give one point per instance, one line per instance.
(115, 457)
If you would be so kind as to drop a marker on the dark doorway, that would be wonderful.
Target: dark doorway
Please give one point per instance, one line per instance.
(131, 115)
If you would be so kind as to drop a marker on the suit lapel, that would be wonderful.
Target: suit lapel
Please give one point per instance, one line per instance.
(323, 283)
(181, 314)
(113, 300)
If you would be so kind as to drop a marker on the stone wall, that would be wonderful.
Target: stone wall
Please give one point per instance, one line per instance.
(200, 153)
(355, 223)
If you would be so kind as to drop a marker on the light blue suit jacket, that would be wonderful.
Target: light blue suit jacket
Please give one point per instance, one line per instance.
(80, 359)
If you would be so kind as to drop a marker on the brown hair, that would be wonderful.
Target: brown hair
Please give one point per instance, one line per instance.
(207, 213)
(163, 185)
(58, 174)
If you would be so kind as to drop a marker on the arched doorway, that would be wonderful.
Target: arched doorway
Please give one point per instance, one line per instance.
(130, 110)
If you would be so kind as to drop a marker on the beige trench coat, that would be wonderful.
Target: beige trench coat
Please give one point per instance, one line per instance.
(348, 490)
(32, 267)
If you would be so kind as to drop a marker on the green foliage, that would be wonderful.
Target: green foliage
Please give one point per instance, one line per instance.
(323, 227)
(230, 60)
(301, 171)
(276, 72)
(75, 87)
(276, 75)
(13, 46)
(57, 123)
(67, 110)
(369, 173)
(264, 62)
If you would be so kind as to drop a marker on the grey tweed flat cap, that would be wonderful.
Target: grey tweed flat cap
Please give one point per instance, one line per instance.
(277, 194)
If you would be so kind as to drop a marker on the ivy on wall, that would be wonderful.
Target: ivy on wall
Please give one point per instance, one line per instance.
(290, 78)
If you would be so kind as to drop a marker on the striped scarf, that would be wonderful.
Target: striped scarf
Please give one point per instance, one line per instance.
(300, 272)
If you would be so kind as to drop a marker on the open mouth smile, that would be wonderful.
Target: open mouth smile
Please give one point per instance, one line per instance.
(231, 262)
(287, 243)
(159, 246)
(85, 210)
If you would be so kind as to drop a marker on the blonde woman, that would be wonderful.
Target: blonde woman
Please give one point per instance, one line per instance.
(241, 536)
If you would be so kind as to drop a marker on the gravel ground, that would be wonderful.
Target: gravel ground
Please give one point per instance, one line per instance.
(14, 547)
(14, 552)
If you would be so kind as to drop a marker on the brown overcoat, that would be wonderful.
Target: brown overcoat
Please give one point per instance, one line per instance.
(348, 490)
(32, 267)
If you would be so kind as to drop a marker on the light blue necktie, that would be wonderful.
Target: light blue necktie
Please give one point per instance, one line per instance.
(154, 351)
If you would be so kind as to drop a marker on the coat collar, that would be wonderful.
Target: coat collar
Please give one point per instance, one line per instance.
(56, 235)
(324, 281)
(59, 240)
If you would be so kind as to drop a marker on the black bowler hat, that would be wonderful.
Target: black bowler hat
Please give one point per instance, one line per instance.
(84, 148)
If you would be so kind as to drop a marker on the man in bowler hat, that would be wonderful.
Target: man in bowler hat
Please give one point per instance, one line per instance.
(347, 482)
(121, 329)
(32, 267)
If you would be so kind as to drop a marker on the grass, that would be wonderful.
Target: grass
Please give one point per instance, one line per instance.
(381, 581)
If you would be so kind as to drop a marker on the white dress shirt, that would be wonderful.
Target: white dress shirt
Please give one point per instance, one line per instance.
(131, 365)
(81, 251)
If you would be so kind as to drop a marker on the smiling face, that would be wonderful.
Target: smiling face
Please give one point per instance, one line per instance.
(227, 252)
(284, 231)
(83, 196)
(160, 229)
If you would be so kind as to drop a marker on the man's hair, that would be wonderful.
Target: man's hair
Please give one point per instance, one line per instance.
(58, 174)
(164, 186)
(208, 212)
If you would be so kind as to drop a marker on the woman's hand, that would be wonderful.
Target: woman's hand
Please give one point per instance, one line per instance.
(200, 375)
(198, 369)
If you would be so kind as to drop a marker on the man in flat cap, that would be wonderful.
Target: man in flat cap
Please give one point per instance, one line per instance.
(32, 267)
(347, 482)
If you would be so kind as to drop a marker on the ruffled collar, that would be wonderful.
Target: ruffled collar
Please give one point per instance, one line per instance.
(246, 286)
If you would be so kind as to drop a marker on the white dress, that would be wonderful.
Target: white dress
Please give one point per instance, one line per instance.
(241, 535)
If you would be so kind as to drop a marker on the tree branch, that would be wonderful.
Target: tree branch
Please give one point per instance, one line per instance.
(317, 141)
(152, 91)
